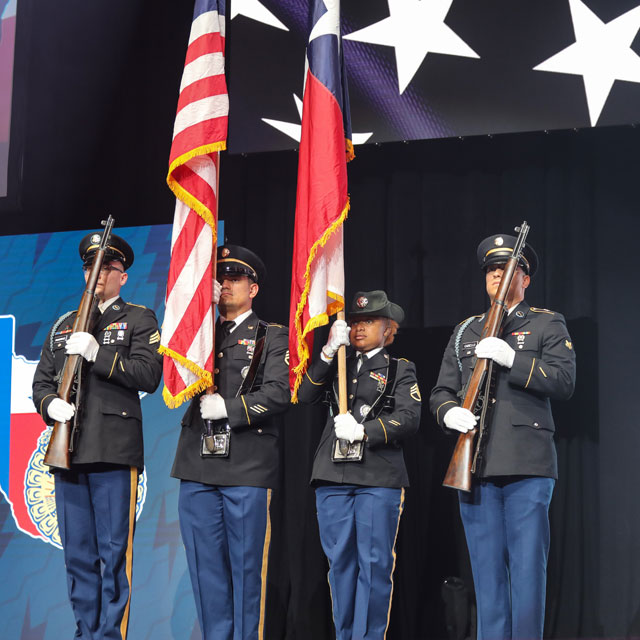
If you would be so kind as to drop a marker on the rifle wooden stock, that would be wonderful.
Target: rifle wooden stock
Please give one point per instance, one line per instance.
(458, 474)
(57, 454)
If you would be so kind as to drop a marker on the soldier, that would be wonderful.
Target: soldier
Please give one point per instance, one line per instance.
(505, 515)
(96, 498)
(227, 470)
(359, 470)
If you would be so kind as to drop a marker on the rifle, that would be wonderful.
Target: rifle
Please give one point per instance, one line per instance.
(59, 447)
(458, 474)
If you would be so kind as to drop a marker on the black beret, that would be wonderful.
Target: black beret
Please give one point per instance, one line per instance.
(375, 303)
(498, 249)
(118, 249)
(234, 260)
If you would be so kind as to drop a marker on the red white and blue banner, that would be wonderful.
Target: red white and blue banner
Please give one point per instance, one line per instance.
(200, 132)
(322, 204)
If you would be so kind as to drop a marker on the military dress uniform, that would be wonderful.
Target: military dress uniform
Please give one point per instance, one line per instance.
(96, 498)
(360, 503)
(505, 515)
(224, 501)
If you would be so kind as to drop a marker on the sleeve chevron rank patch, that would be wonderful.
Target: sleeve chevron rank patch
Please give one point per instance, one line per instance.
(415, 393)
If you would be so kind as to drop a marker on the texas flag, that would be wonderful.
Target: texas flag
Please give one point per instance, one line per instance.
(24, 479)
(322, 203)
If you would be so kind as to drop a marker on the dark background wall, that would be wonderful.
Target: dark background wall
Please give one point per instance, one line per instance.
(93, 113)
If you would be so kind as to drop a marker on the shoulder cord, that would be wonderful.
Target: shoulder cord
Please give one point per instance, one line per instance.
(56, 324)
(461, 330)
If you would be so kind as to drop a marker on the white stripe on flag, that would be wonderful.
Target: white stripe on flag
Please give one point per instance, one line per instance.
(200, 110)
(208, 22)
(206, 66)
(205, 168)
(187, 282)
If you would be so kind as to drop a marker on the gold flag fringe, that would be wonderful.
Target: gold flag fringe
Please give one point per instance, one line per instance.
(320, 319)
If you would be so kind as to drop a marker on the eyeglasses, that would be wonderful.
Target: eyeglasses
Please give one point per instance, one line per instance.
(106, 268)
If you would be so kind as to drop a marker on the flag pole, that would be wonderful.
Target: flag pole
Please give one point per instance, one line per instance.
(342, 372)
(214, 268)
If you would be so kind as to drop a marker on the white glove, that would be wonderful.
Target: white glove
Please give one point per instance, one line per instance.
(348, 428)
(497, 350)
(60, 411)
(212, 407)
(338, 336)
(217, 291)
(460, 419)
(82, 344)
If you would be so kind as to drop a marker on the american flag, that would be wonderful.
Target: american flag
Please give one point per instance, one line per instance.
(317, 283)
(199, 133)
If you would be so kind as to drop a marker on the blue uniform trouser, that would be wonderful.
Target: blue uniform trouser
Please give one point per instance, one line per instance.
(358, 529)
(226, 533)
(96, 509)
(506, 523)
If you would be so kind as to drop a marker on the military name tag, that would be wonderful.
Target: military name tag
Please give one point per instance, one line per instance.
(345, 451)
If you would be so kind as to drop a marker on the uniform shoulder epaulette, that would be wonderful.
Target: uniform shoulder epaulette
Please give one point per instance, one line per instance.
(539, 310)
(131, 304)
(403, 359)
(275, 324)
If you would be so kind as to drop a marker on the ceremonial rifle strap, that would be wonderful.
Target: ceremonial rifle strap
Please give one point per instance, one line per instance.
(249, 379)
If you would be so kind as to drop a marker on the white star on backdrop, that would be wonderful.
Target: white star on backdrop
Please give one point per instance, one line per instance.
(256, 11)
(601, 54)
(414, 28)
(293, 130)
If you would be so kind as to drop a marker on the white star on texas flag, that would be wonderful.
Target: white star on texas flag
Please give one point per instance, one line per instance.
(601, 54)
(414, 28)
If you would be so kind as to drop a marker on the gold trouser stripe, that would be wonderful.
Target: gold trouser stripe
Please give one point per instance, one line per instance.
(265, 564)
(113, 365)
(318, 384)
(42, 402)
(385, 431)
(245, 409)
(129, 559)
(400, 509)
(442, 405)
(530, 373)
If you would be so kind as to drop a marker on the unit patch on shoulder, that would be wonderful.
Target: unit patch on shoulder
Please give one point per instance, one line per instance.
(415, 393)
(568, 344)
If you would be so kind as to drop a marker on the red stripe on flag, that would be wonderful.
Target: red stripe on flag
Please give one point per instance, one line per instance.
(211, 86)
(212, 130)
(183, 246)
(208, 43)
